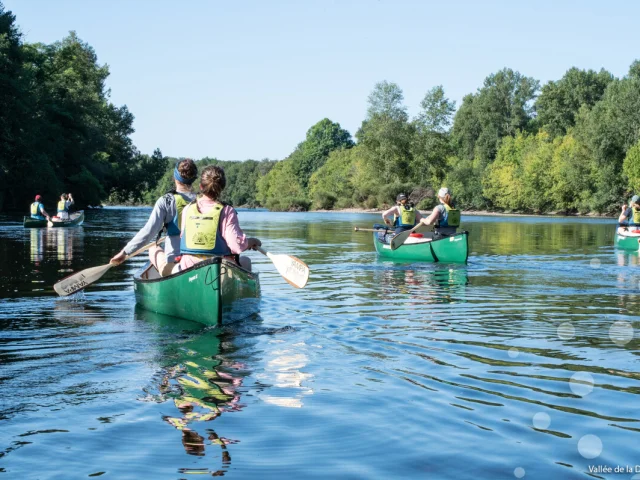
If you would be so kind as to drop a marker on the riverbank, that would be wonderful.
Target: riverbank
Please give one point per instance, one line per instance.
(475, 213)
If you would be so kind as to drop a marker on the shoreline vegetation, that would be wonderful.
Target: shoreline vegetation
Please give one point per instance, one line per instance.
(514, 145)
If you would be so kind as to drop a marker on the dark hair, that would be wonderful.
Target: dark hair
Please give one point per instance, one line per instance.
(187, 169)
(212, 181)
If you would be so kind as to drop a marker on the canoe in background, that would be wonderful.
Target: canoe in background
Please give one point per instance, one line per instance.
(627, 238)
(75, 220)
(446, 249)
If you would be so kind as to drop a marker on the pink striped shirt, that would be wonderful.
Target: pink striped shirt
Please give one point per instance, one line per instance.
(230, 228)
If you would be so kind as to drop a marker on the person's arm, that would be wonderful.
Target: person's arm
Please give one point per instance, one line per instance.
(236, 239)
(433, 218)
(149, 232)
(624, 216)
(393, 210)
(418, 215)
(43, 212)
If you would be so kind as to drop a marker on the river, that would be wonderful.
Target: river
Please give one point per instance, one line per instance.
(521, 364)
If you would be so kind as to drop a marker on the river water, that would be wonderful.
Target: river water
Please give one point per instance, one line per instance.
(521, 364)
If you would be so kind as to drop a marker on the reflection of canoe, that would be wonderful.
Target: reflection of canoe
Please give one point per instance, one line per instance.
(449, 249)
(76, 219)
(203, 293)
(627, 239)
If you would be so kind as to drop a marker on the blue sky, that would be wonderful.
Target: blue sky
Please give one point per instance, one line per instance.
(246, 79)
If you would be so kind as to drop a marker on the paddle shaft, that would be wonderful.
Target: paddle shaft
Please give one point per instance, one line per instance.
(358, 229)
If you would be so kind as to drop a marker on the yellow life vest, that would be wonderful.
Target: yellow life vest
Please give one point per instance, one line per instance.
(407, 216)
(636, 216)
(175, 226)
(35, 209)
(201, 234)
(451, 217)
(61, 206)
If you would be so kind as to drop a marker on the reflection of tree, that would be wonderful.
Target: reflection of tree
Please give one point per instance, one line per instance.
(201, 387)
(434, 284)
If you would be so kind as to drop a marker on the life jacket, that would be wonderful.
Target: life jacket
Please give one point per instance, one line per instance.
(35, 210)
(450, 218)
(174, 227)
(407, 216)
(636, 216)
(202, 235)
(61, 206)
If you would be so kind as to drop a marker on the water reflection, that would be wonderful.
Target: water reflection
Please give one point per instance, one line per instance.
(200, 383)
(424, 284)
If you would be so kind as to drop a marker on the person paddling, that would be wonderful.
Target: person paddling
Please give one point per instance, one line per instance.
(210, 227)
(405, 215)
(64, 206)
(445, 217)
(631, 214)
(167, 213)
(37, 210)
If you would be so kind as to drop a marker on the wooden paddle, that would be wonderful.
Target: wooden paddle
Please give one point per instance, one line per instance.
(399, 239)
(358, 229)
(78, 281)
(292, 269)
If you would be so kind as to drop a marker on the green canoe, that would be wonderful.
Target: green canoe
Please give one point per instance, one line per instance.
(449, 249)
(75, 219)
(627, 238)
(214, 289)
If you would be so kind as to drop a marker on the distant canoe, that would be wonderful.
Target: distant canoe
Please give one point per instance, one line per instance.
(75, 219)
(628, 238)
(449, 249)
(208, 292)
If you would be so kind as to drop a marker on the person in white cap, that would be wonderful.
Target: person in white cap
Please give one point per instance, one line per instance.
(445, 217)
(631, 214)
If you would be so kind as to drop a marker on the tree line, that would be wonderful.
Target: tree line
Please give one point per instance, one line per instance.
(571, 145)
(58, 130)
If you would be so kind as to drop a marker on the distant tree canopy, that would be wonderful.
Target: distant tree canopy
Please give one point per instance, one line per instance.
(58, 130)
(571, 145)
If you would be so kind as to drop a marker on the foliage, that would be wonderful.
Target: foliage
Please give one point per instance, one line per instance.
(58, 130)
(560, 101)
(631, 167)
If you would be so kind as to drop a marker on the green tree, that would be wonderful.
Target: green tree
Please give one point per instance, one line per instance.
(322, 138)
(431, 145)
(387, 135)
(631, 167)
(560, 101)
(502, 107)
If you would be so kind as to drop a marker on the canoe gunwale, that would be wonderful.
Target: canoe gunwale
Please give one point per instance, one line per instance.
(205, 263)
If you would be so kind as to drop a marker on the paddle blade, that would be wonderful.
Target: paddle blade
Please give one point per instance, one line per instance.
(399, 239)
(292, 269)
(76, 282)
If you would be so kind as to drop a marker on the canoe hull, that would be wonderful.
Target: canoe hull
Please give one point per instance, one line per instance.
(77, 219)
(207, 293)
(452, 249)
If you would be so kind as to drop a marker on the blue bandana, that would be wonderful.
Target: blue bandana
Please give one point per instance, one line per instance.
(186, 181)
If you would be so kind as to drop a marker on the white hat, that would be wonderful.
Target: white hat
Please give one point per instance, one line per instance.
(444, 191)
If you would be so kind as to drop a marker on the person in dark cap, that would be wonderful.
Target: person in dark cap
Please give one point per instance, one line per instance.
(405, 215)
(631, 213)
(37, 210)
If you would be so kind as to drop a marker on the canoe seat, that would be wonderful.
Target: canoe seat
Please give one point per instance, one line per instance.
(416, 235)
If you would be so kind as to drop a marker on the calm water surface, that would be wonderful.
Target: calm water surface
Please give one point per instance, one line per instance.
(523, 363)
